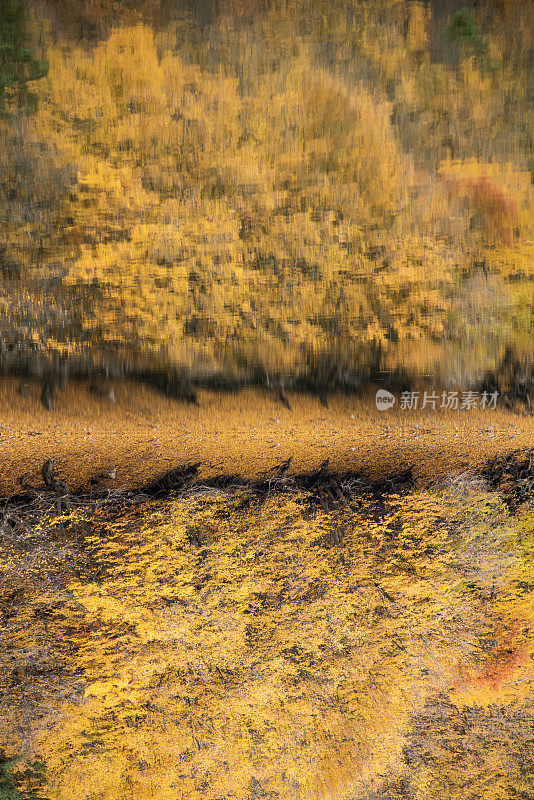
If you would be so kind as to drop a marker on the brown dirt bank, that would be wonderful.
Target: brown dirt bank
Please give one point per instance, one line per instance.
(145, 434)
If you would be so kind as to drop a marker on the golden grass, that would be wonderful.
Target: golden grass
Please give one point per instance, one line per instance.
(145, 434)
(260, 655)
(204, 647)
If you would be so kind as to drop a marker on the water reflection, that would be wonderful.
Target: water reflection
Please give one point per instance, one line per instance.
(228, 193)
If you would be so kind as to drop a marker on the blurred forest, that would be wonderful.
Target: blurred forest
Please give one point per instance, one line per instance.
(269, 187)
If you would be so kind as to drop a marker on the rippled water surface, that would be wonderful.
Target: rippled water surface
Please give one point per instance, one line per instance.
(307, 190)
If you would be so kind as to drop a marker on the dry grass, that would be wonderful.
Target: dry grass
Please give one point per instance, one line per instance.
(222, 642)
(271, 639)
(145, 434)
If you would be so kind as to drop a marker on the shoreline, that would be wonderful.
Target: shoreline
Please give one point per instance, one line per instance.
(246, 433)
